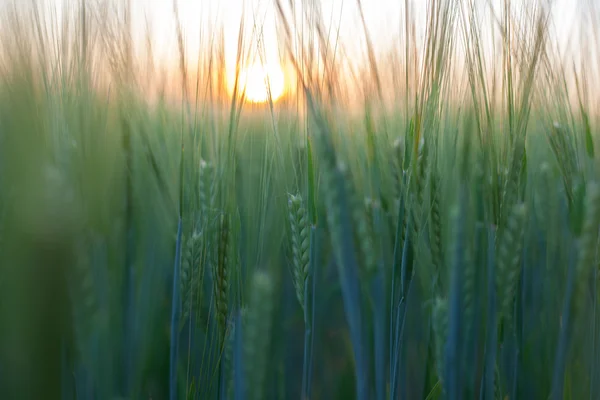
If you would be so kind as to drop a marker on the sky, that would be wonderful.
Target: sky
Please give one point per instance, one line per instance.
(384, 18)
(384, 22)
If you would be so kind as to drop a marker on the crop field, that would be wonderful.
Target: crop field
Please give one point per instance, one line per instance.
(418, 220)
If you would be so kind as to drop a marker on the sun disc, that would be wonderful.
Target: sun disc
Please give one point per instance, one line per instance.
(263, 82)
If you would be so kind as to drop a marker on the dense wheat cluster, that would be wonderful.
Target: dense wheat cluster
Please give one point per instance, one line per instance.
(420, 228)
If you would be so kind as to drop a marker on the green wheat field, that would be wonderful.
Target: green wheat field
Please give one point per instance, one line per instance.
(420, 228)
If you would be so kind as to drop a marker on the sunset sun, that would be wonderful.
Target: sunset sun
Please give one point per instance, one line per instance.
(261, 82)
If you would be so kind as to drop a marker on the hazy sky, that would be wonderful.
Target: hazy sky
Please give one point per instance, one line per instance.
(384, 20)
(384, 17)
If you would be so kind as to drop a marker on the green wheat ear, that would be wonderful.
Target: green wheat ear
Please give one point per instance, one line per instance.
(2, 222)
(510, 246)
(422, 169)
(542, 196)
(587, 245)
(206, 191)
(440, 330)
(300, 244)
(2, 255)
(419, 187)
(510, 193)
(362, 213)
(365, 230)
(468, 285)
(257, 334)
(191, 273)
(436, 224)
(221, 274)
(360, 218)
(331, 197)
(85, 303)
(396, 167)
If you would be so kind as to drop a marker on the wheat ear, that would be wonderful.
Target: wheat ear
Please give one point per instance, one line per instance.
(300, 244)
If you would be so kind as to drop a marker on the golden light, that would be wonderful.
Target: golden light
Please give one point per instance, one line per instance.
(259, 80)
